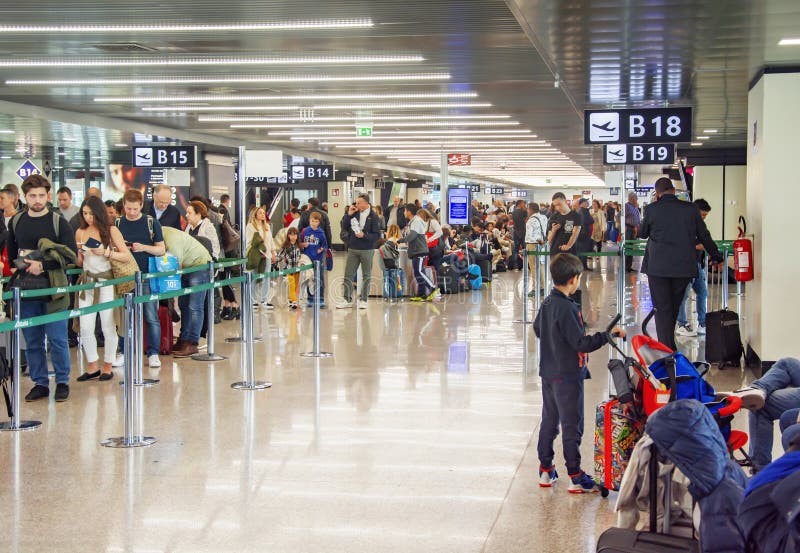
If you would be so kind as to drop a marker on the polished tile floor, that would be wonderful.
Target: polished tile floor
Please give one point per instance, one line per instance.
(417, 436)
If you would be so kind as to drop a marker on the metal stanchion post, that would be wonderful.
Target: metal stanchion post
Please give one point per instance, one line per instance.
(537, 278)
(209, 355)
(524, 320)
(724, 276)
(249, 381)
(138, 334)
(245, 306)
(317, 300)
(15, 424)
(128, 439)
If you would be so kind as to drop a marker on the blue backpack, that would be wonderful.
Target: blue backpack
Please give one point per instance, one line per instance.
(689, 383)
(475, 278)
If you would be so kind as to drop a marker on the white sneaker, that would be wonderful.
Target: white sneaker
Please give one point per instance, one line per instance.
(344, 305)
(701, 330)
(685, 330)
(362, 304)
(154, 362)
(752, 398)
(119, 361)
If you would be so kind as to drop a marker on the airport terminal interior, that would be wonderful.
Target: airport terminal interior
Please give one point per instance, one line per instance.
(403, 416)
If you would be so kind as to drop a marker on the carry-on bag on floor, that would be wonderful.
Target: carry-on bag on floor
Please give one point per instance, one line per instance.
(165, 321)
(624, 540)
(618, 428)
(448, 282)
(486, 270)
(475, 278)
(393, 283)
(723, 337)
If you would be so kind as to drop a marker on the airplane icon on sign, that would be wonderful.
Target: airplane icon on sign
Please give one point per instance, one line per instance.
(144, 157)
(616, 154)
(604, 127)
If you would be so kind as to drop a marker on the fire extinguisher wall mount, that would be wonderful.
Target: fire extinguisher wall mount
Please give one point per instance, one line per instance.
(743, 254)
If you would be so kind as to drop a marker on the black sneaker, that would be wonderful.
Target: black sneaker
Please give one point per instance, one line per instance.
(37, 393)
(62, 392)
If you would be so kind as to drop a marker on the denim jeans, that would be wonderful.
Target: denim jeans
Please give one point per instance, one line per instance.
(700, 287)
(193, 307)
(153, 327)
(562, 405)
(35, 350)
(782, 386)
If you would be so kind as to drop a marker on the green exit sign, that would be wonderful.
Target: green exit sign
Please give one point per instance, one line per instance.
(363, 131)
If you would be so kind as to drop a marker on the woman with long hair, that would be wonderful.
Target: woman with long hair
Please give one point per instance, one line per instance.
(99, 242)
(599, 228)
(435, 245)
(258, 231)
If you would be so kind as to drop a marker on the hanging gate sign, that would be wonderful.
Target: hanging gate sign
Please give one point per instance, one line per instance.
(637, 126)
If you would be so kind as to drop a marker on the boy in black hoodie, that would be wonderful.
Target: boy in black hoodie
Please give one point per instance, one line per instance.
(564, 346)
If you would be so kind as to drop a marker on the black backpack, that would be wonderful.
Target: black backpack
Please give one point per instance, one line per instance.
(5, 378)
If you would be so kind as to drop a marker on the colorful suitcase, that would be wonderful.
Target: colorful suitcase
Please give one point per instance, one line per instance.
(616, 432)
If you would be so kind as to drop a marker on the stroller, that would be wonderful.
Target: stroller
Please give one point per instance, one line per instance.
(659, 376)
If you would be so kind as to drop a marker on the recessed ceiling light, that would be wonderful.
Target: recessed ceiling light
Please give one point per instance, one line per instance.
(222, 61)
(198, 79)
(62, 154)
(21, 150)
(352, 118)
(267, 97)
(710, 131)
(789, 42)
(6, 131)
(703, 137)
(121, 145)
(411, 105)
(70, 139)
(264, 26)
(695, 144)
(5, 157)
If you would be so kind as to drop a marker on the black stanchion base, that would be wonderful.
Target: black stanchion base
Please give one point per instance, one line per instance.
(23, 426)
(208, 357)
(256, 385)
(136, 441)
(239, 339)
(319, 354)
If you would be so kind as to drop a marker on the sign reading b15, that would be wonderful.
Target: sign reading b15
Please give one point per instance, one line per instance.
(165, 157)
(638, 154)
(637, 126)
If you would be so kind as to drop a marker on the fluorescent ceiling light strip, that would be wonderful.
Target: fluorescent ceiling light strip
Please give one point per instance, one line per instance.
(710, 131)
(789, 42)
(276, 97)
(194, 61)
(353, 118)
(411, 105)
(389, 134)
(440, 144)
(7, 131)
(263, 26)
(377, 125)
(232, 80)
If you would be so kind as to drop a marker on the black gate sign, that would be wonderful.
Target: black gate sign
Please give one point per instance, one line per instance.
(637, 126)
(165, 157)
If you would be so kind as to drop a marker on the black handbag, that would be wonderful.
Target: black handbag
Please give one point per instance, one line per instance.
(24, 280)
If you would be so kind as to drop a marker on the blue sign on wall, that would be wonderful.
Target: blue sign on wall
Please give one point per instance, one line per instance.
(27, 169)
(458, 206)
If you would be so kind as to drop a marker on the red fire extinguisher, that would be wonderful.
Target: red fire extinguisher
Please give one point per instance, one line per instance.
(743, 254)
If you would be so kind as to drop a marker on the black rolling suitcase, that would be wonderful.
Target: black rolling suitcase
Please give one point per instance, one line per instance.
(486, 270)
(448, 282)
(623, 540)
(723, 336)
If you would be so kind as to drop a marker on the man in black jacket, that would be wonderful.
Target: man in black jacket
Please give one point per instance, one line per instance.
(162, 210)
(520, 217)
(673, 229)
(305, 219)
(395, 215)
(363, 229)
(585, 235)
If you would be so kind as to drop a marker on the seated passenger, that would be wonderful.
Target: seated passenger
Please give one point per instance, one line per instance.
(768, 398)
(769, 516)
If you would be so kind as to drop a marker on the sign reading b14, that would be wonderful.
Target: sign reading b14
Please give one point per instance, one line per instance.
(637, 126)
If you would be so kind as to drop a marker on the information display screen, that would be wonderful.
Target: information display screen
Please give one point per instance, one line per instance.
(458, 206)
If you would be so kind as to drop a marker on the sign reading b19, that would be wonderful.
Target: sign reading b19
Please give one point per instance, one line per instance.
(637, 126)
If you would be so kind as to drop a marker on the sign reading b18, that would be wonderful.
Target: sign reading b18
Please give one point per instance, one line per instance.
(637, 126)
